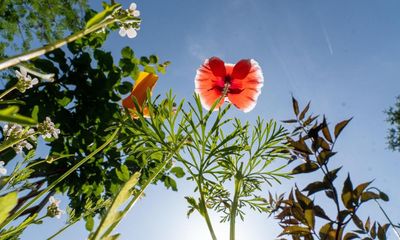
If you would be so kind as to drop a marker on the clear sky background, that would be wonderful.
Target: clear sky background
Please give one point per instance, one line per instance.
(343, 56)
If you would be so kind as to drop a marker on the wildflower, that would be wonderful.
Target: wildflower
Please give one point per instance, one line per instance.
(24, 80)
(139, 91)
(133, 11)
(3, 170)
(53, 210)
(14, 132)
(48, 129)
(239, 84)
(127, 31)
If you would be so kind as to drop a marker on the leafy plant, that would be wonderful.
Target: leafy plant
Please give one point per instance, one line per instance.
(313, 144)
(222, 152)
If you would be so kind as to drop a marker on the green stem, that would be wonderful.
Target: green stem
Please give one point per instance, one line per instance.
(23, 225)
(62, 230)
(3, 94)
(53, 184)
(205, 212)
(234, 207)
(48, 48)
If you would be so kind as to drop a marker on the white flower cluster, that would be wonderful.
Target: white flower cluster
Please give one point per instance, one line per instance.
(14, 132)
(24, 80)
(48, 129)
(128, 28)
(53, 210)
(3, 170)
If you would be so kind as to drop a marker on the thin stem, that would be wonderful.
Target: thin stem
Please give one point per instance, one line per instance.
(205, 211)
(48, 48)
(3, 94)
(234, 207)
(390, 221)
(66, 174)
(62, 230)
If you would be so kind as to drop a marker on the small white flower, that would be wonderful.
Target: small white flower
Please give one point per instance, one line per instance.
(3, 170)
(48, 129)
(24, 80)
(130, 32)
(53, 210)
(13, 132)
(133, 11)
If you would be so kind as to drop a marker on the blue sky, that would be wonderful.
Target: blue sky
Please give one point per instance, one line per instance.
(343, 56)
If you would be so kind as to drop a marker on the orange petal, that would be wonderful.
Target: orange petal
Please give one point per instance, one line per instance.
(139, 91)
(243, 93)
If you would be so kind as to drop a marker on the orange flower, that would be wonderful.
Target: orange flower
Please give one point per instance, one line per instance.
(139, 91)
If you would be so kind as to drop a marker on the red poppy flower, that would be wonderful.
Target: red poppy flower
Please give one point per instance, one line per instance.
(239, 84)
(139, 91)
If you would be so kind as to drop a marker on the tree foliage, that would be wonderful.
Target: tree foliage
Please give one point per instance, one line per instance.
(23, 21)
(393, 117)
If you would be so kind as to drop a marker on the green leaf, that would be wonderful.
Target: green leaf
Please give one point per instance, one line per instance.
(7, 203)
(127, 52)
(113, 214)
(10, 114)
(178, 172)
(149, 69)
(99, 17)
(144, 61)
(340, 126)
(153, 59)
(89, 223)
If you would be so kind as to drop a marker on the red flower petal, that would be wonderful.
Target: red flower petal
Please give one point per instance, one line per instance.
(241, 69)
(217, 67)
(209, 86)
(244, 90)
